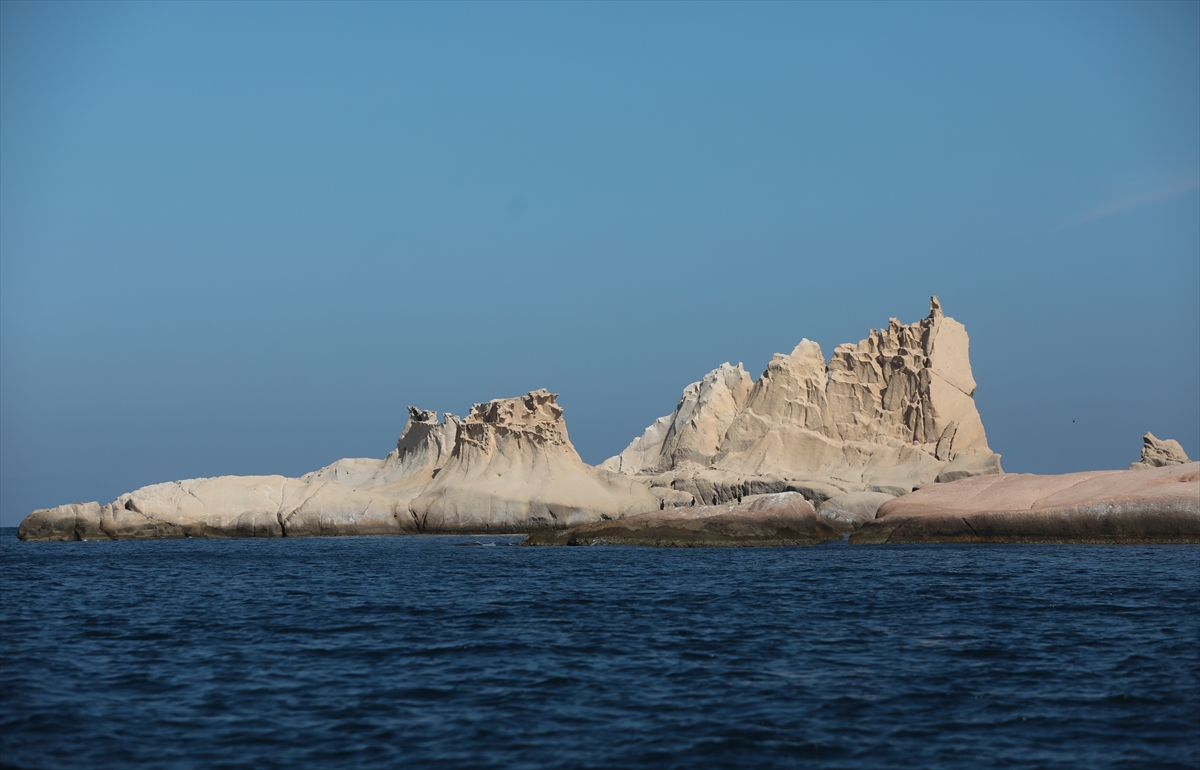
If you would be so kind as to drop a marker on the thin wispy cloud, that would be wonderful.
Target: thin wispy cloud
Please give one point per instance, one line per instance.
(1156, 191)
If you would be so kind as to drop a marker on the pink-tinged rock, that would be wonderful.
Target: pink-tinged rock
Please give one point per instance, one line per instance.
(780, 519)
(1155, 505)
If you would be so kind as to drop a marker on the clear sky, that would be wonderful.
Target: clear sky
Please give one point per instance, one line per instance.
(242, 238)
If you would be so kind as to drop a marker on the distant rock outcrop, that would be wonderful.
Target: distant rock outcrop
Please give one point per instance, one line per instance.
(885, 415)
(1156, 505)
(1157, 453)
(508, 467)
(782, 519)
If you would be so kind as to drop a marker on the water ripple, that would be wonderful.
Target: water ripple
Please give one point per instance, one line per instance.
(385, 652)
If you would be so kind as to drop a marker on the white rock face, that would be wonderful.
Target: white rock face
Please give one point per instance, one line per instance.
(692, 434)
(892, 412)
(508, 467)
(513, 469)
(1157, 453)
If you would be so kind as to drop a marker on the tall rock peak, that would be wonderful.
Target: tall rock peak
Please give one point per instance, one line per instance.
(891, 412)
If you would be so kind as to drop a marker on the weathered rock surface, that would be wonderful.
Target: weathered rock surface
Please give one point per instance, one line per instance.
(226, 506)
(1157, 453)
(780, 519)
(849, 511)
(1155, 505)
(890, 413)
(513, 469)
(508, 467)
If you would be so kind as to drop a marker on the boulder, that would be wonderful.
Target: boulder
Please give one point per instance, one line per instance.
(847, 512)
(1155, 505)
(1157, 453)
(779, 519)
(890, 413)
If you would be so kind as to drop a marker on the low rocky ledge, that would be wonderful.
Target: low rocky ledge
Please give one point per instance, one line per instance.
(779, 519)
(1153, 505)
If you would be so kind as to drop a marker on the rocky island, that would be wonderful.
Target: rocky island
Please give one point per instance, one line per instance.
(811, 450)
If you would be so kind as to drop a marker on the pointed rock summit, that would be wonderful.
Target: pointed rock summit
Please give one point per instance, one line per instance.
(889, 413)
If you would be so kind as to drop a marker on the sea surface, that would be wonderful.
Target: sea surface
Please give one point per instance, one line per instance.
(385, 652)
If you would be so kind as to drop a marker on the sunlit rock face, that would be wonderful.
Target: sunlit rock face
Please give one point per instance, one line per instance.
(887, 414)
(513, 469)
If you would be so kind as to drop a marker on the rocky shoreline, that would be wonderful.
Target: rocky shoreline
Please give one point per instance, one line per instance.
(1151, 505)
(883, 441)
(786, 518)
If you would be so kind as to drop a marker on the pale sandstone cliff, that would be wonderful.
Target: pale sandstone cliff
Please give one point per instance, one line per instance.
(893, 412)
(508, 467)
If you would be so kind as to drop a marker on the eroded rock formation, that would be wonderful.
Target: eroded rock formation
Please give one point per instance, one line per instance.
(513, 469)
(1157, 453)
(508, 467)
(890, 413)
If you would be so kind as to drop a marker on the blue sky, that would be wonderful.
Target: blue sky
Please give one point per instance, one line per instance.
(242, 238)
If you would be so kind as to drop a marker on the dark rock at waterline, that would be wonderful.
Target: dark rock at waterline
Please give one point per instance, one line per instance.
(780, 519)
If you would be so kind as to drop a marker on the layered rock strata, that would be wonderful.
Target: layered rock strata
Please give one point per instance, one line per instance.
(779, 519)
(885, 415)
(509, 466)
(1155, 505)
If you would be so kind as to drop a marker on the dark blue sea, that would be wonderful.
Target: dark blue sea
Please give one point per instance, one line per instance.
(470, 652)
